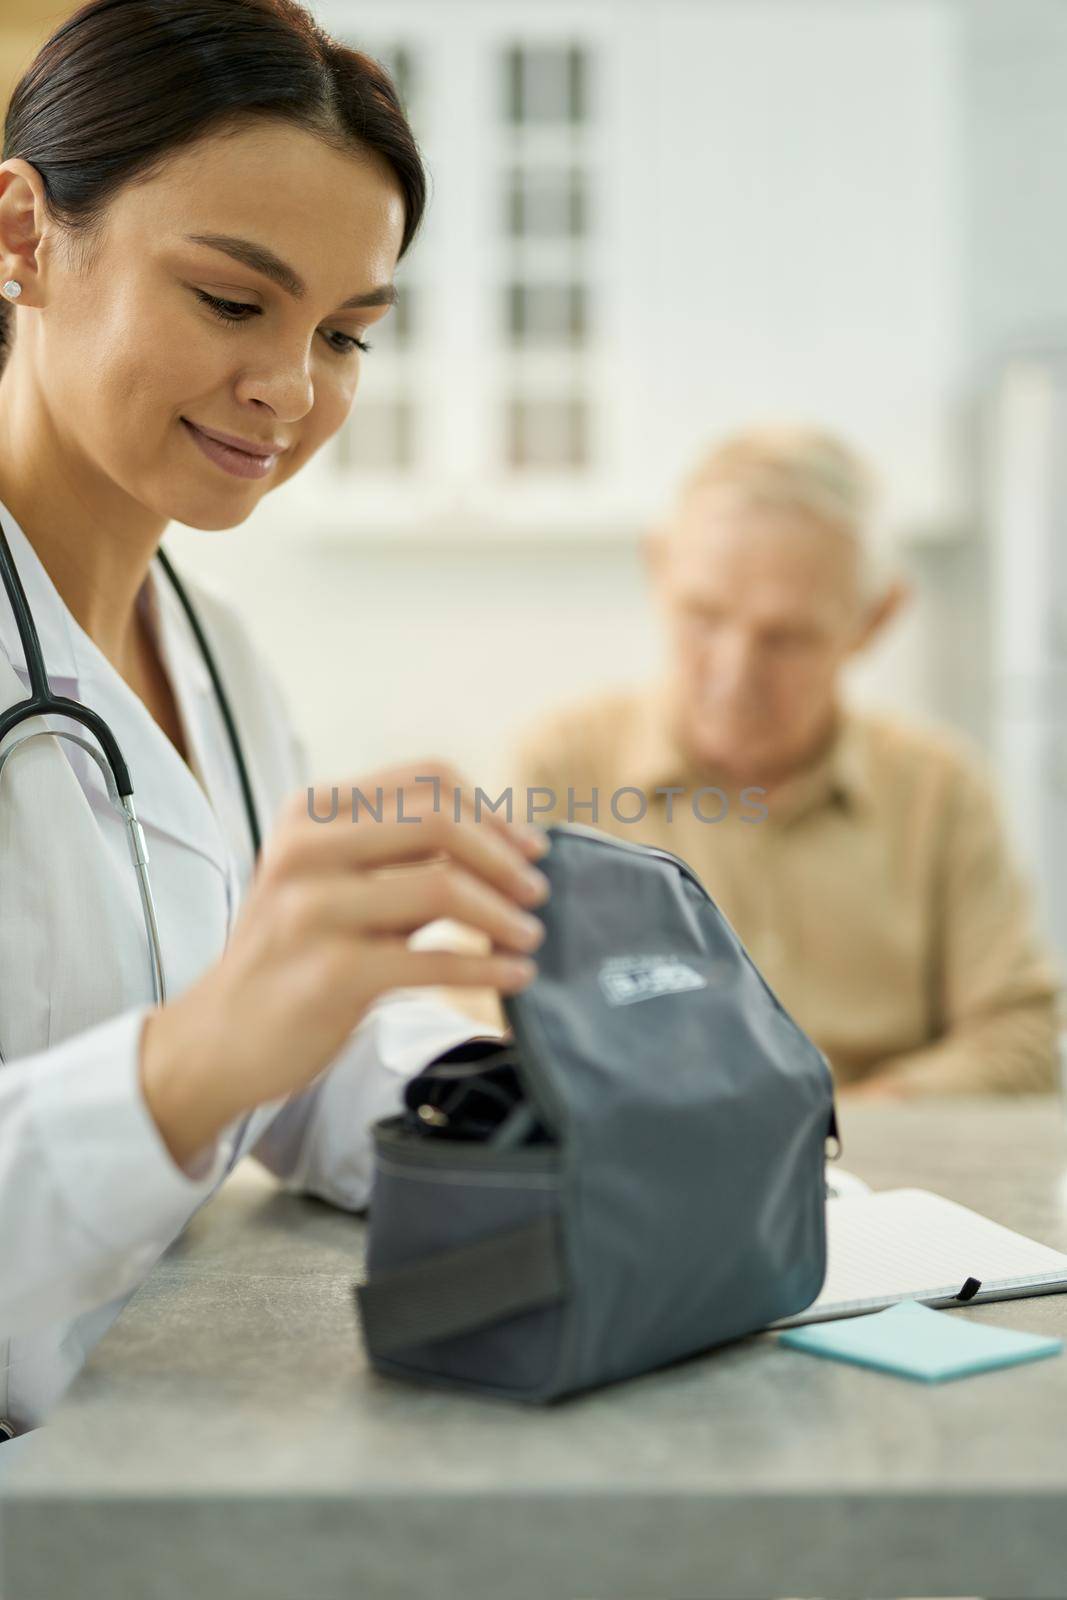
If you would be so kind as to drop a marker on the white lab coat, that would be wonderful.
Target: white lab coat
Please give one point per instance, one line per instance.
(89, 1194)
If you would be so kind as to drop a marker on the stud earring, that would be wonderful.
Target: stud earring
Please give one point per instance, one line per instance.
(12, 288)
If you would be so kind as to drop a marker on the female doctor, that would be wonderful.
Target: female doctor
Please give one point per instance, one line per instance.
(201, 206)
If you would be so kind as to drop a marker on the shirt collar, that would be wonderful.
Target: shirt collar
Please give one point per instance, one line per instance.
(656, 759)
(840, 775)
(182, 656)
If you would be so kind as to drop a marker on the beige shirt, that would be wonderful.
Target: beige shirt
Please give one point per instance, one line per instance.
(877, 895)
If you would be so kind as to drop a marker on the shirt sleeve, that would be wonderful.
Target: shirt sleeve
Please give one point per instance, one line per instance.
(321, 1142)
(997, 987)
(89, 1193)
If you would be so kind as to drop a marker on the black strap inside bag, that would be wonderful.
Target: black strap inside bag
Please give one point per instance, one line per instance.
(473, 1092)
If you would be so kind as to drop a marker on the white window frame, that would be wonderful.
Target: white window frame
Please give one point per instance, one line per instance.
(458, 488)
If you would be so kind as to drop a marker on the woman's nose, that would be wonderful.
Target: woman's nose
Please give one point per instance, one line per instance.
(286, 387)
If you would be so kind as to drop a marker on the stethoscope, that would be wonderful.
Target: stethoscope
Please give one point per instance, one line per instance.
(105, 752)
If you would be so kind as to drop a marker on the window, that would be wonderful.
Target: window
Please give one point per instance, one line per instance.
(381, 436)
(547, 433)
(378, 437)
(545, 227)
(490, 402)
(546, 202)
(545, 83)
(546, 313)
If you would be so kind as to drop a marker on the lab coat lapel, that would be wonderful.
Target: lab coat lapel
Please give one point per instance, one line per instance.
(168, 798)
(73, 947)
(205, 732)
(72, 942)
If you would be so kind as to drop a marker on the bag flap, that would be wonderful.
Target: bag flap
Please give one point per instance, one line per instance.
(645, 996)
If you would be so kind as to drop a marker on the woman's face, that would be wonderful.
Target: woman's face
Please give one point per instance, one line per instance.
(162, 337)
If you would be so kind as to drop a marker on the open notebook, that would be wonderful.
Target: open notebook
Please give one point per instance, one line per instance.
(907, 1244)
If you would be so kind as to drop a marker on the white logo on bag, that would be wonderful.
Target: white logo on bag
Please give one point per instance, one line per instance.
(626, 979)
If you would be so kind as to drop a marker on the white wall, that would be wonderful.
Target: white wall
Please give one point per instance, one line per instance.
(791, 197)
(809, 206)
(1017, 302)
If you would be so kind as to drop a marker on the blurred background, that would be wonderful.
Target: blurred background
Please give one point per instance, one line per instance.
(652, 224)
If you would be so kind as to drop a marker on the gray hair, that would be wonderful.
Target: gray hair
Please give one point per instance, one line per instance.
(801, 469)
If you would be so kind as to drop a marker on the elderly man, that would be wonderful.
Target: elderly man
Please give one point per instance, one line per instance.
(861, 859)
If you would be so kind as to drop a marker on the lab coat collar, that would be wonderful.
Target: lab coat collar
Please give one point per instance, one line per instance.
(168, 797)
(51, 616)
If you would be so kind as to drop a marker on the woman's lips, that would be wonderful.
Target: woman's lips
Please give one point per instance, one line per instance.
(239, 463)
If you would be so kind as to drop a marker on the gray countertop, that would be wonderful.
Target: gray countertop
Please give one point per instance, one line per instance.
(227, 1439)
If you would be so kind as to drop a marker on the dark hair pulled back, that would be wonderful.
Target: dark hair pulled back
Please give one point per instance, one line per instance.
(122, 84)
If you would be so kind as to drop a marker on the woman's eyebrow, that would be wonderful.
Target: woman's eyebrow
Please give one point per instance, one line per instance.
(260, 259)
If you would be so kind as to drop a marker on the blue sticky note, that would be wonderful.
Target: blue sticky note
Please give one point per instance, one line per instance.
(916, 1342)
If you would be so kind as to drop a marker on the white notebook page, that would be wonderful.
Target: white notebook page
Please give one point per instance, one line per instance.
(909, 1244)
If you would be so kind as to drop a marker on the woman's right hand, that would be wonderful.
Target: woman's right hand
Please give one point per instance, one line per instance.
(324, 932)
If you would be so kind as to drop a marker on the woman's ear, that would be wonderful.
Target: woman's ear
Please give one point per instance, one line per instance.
(881, 611)
(21, 209)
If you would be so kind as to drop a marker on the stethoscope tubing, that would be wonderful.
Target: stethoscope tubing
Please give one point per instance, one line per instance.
(108, 757)
(41, 701)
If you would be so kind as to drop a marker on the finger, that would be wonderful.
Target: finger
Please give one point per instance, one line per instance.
(497, 811)
(448, 791)
(412, 831)
(401, 902)
(409, 900)
(385, 964)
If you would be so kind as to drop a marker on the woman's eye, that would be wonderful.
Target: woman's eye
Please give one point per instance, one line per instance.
(226, 310)
(232, 311)
(349, 342)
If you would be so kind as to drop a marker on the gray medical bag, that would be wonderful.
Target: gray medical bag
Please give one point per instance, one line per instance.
(637, 1177)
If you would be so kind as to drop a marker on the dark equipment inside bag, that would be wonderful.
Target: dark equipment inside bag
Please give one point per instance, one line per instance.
(474, 1091)
(639, 1175)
